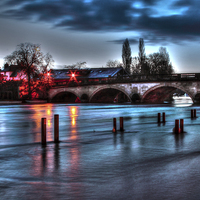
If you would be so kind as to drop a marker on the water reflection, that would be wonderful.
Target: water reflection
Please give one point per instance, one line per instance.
(45, 160)
(179, 140)
(48, 111)
(86, 163)
(74, 137)
(75, 153)
(38, 113)
(44, 165)
(36, 117)
(118, 140)
(48, 161)
(73, 121)
(57, 156)
(50, 118)
(73, 113)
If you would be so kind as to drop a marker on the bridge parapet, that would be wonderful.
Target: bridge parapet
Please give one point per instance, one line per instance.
(130, 89)
(132, 79)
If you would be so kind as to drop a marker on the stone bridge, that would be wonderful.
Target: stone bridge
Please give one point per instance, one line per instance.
(144, 92)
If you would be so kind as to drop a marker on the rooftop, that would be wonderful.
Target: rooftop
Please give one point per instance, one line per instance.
(87, 73)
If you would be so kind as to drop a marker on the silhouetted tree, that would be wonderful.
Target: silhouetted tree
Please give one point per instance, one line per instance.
(160, 62)
(78, 65)
(141, 54)
(48, 62)
(142, 57)
(6, 65)
(30, 58)
(113, 63)
(126, 55)
(135, 66)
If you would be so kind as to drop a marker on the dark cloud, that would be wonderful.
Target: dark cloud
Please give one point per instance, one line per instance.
(150, 2)
(14, 3)
(100, 16)
(113, 15)
(121, 41)
(181, 3)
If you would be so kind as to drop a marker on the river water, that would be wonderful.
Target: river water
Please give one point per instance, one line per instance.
(146, 161)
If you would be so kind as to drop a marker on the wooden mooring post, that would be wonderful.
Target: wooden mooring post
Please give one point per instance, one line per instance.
(43, 131)
(56, 128)
(192, 114)
(121, 123)
(158, 118)
(163, 117)
(114, 125)
(176, 130)
(181, 125)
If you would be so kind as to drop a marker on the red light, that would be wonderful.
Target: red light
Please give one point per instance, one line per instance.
(73, 75)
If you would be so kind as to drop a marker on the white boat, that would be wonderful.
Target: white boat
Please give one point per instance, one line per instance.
(182, 100)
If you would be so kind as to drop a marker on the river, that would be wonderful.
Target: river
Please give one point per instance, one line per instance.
(146, 161)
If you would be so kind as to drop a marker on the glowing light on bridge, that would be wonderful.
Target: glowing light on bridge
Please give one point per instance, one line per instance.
(73, 76)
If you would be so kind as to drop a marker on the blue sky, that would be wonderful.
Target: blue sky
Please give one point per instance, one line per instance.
(94, 30)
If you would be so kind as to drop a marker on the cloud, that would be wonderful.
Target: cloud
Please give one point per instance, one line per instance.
(121, 41)
(173, 21)
(181, 3)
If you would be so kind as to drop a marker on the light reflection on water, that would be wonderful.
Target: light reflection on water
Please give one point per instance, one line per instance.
(91, 162)
(73, 114)
(38, 113)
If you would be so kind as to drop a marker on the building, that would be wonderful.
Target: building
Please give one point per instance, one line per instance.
(12, 72)
(90, 75)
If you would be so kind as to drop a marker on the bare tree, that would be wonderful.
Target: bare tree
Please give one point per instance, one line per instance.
(126, 55)
(48, 63)
(78, 65)
(30, 58)
(113, 63)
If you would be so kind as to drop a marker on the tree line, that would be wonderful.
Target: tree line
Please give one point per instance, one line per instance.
(155, 63)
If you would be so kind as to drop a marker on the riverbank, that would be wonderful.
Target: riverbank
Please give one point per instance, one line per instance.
(12, 102)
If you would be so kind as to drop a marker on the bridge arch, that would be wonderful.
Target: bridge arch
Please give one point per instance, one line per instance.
(64, 95)
(109, 88)
(162, 91)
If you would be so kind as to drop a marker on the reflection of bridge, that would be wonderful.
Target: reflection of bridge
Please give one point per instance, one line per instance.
(147, 89)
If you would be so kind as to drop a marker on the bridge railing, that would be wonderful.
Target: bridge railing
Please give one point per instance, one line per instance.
(131, 79)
